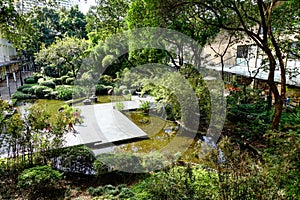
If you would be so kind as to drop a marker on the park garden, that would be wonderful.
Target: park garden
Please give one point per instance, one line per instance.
(77, 60)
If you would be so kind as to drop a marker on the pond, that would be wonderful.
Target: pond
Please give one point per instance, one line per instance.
(160, 132)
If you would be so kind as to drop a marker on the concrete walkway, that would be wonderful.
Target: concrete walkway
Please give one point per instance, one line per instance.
(4, 90)
(104, 126)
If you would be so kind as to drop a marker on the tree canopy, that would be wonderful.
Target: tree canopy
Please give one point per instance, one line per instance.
(67, 52)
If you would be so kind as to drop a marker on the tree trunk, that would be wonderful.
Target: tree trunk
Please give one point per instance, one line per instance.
(278, 99)
(277, 114)
(222, 64)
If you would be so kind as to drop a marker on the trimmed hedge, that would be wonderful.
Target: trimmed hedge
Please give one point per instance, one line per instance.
(41, 91)
(21, 96)
(64, 78)
(57, 81)
(21, 88)
(30, 80)
(70, 81)
(28, 90)
(64, 93)
(37, 77)
(49, 84)
(39, 177)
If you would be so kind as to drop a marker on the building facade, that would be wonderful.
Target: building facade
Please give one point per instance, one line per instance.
(26, 5)
(243, 59)
(8, 59)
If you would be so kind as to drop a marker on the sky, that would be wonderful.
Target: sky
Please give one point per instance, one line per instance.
(84, 7)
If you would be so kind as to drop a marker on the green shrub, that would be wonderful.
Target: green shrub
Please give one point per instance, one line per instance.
(64, 93)
(101, 89)
(77, 159)
(252, 120)
(41, 91)
(49, 84)
(117, 91)
(37, 76)
(30, 80)
(57, 81)
(145, 106)
(64, 78)
(28, 90)
(70, 74)
(119, 106)
(48, 93)
(111, 192)
(78, 92)
(21, 96)
(108, 162)
(38, 177)
(178, 183)
(98, 191)
(290, 119)
(70, 81)
(106, 80)
(100, 167)
(41, 80)
(20, 88)
(51, 71)
(54, 94)
(123, 89)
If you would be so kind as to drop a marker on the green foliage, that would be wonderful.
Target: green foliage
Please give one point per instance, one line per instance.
(48, 83)
(105, 19)
(64, 93)
(70, 81)
(106, 80)
(101, 89)
(68, 53)
(28, 90)
(178, 183)
(64, 78)
(45, 21)
(21, 96)
(29, 133)
(108, 162)
(38, 177)
(42, 91)
(57, 81)
(20, 88)
(77, 159)
(30, 80)
(111, 192)
(282, 158)
(51, 71)
(72, 23)
(37, 76)
(251, 120)
(290, 119)
(119, 106)
(248, 176)
(145, 106)
(248, 112)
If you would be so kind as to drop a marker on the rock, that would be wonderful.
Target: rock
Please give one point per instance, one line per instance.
(87, 102)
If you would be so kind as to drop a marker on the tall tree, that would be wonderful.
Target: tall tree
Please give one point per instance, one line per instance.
(67, 52)
(45, 20)
(155, 13)
(106, 18)
(257, 20)
(72, 23)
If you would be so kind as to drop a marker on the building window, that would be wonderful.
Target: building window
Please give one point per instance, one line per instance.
(242, 51)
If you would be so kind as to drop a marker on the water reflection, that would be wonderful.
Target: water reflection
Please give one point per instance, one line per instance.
(160, 132)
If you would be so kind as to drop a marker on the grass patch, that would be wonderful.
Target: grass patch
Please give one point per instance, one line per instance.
(52, 106)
